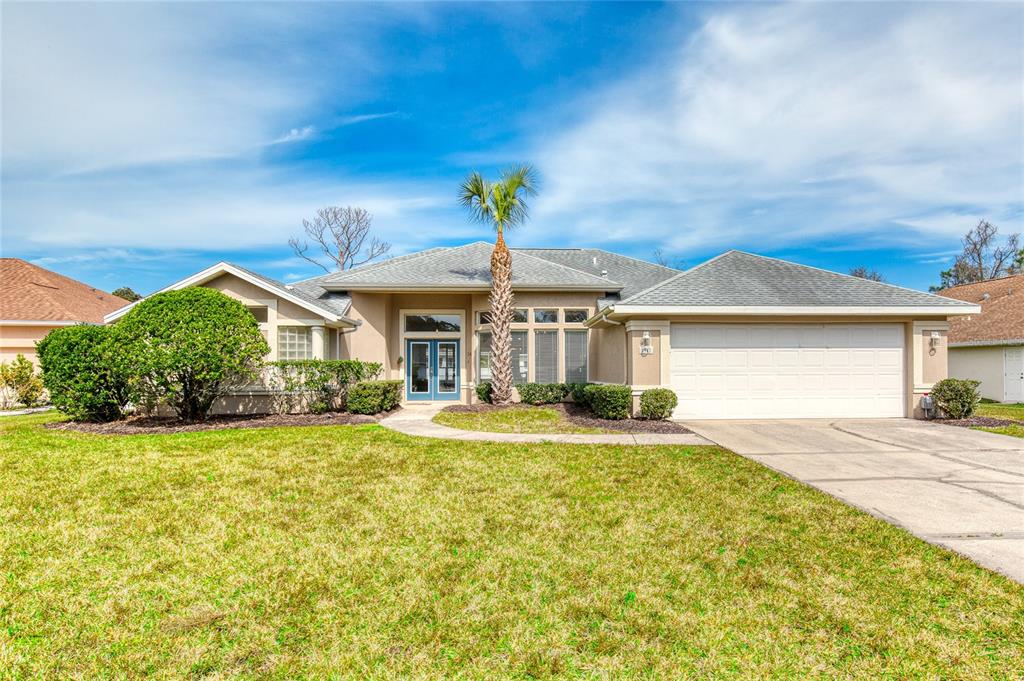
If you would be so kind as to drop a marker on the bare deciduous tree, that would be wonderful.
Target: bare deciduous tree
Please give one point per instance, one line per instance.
(663, 259)
(868, 273)
(340, 233)
(983, 257)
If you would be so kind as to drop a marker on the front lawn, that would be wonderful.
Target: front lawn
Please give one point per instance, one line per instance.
(516, 419)
(353, 551)
(1004, 411)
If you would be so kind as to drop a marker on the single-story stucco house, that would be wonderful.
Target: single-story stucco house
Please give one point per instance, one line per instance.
(35, 301)
(989, 347)
(739, 336)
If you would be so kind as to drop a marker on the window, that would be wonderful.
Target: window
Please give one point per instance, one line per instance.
(520, 357)
(433, 322)
(518, 317)
(545, 356)
(259, 312)
(575, 316)
(294, 342)
(575, 356)
(545, 316)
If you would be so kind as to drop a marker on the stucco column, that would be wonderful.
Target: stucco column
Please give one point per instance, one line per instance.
(319, 343)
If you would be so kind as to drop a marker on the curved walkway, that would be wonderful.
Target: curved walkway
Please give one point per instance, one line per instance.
(418, 420)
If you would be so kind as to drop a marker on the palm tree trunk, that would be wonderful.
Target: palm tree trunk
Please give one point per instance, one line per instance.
(501, 322)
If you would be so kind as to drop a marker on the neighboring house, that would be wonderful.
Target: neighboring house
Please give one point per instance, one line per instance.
(34, 301)
(739, 336)
(989, 347)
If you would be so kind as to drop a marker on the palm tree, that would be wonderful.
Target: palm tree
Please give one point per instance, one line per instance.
(501, 204)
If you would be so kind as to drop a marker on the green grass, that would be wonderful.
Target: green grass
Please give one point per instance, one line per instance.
(1003, 411)
(517, 419)
(356, 552)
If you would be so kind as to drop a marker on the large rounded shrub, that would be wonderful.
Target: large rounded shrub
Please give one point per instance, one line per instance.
(957, 397)
(657, 403)
(84, 371)
(187, 348)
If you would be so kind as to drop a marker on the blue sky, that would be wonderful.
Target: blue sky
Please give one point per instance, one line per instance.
(143, 142)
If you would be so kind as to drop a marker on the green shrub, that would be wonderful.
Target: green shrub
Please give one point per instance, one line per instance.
(84, 372)
(483, 391)
(542, 393)
(578, 392)
(957, 397)
(610, 401)
(189, 347)
(373, 397)
(19, 375)
(657, 403)
(321, 385)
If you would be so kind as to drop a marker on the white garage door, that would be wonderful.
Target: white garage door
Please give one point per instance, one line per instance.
(743, 371)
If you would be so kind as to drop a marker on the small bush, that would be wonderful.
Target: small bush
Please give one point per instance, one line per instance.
(483, 391)
(20, 376)
(542, 393)
(957, 397)
(189, 347)
(322, 384)
(578, 392)
(657, 403)
(373, 397)
(84, 372)
(610, 401)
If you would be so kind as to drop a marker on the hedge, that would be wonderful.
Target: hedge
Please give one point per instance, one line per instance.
(578, 392)
(374, 397)
(483, 391)
(84, 371)
(610, 401)
(19, 375)
(187, 348)
(957, 397)
(322, 384)
(657, 403)
(542, 393)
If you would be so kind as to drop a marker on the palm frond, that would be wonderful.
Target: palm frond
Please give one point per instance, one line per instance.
(475, 195)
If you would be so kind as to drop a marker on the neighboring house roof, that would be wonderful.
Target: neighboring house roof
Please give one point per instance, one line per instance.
(465, 267)
(331, 306)
(32, 293)
(1001, 320)
(742, 282)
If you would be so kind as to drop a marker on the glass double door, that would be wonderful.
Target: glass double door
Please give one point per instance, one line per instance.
(432, 369)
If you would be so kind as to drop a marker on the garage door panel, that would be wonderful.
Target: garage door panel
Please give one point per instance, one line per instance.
(787, 370)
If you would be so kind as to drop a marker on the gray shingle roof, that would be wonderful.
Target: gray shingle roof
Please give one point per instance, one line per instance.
(634, 275)
(743, 279)
(309, 290)
(469, 267)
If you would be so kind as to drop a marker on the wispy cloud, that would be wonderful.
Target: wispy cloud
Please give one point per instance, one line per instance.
(296, 135)
(779, 125)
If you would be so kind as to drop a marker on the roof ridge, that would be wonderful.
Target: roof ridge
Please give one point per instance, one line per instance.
(847, 276)
(681, 274)
(390, 261)
(573, 269)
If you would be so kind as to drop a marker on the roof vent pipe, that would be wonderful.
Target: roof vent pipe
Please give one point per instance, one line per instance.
(604, 273)
(595, 261)
(985, 296)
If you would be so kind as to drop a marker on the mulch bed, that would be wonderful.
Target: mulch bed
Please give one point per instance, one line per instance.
(150, 425)
(582, 417)
(980, 421)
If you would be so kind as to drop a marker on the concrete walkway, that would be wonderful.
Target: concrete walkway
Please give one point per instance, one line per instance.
(23, 412)
(956, 487)
(418, 420)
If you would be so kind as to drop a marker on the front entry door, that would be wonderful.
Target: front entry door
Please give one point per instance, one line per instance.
(432, 369)
(1013, 374)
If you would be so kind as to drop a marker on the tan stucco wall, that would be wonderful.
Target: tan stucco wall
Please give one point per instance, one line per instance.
(644, 370)
(608, 354)
(980, 364)
(933, 356)
(280, 312)
(21, 340)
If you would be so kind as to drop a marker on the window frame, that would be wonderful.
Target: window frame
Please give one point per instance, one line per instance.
(536, 354)
(284, 344)
(566, 311)
(538, 310)
(586, 353)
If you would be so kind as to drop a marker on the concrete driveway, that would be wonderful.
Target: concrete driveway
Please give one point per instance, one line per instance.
(959, 488)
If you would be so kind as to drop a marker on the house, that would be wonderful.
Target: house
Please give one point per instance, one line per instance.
(989, 347)
(739, 336)
(34, 301)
